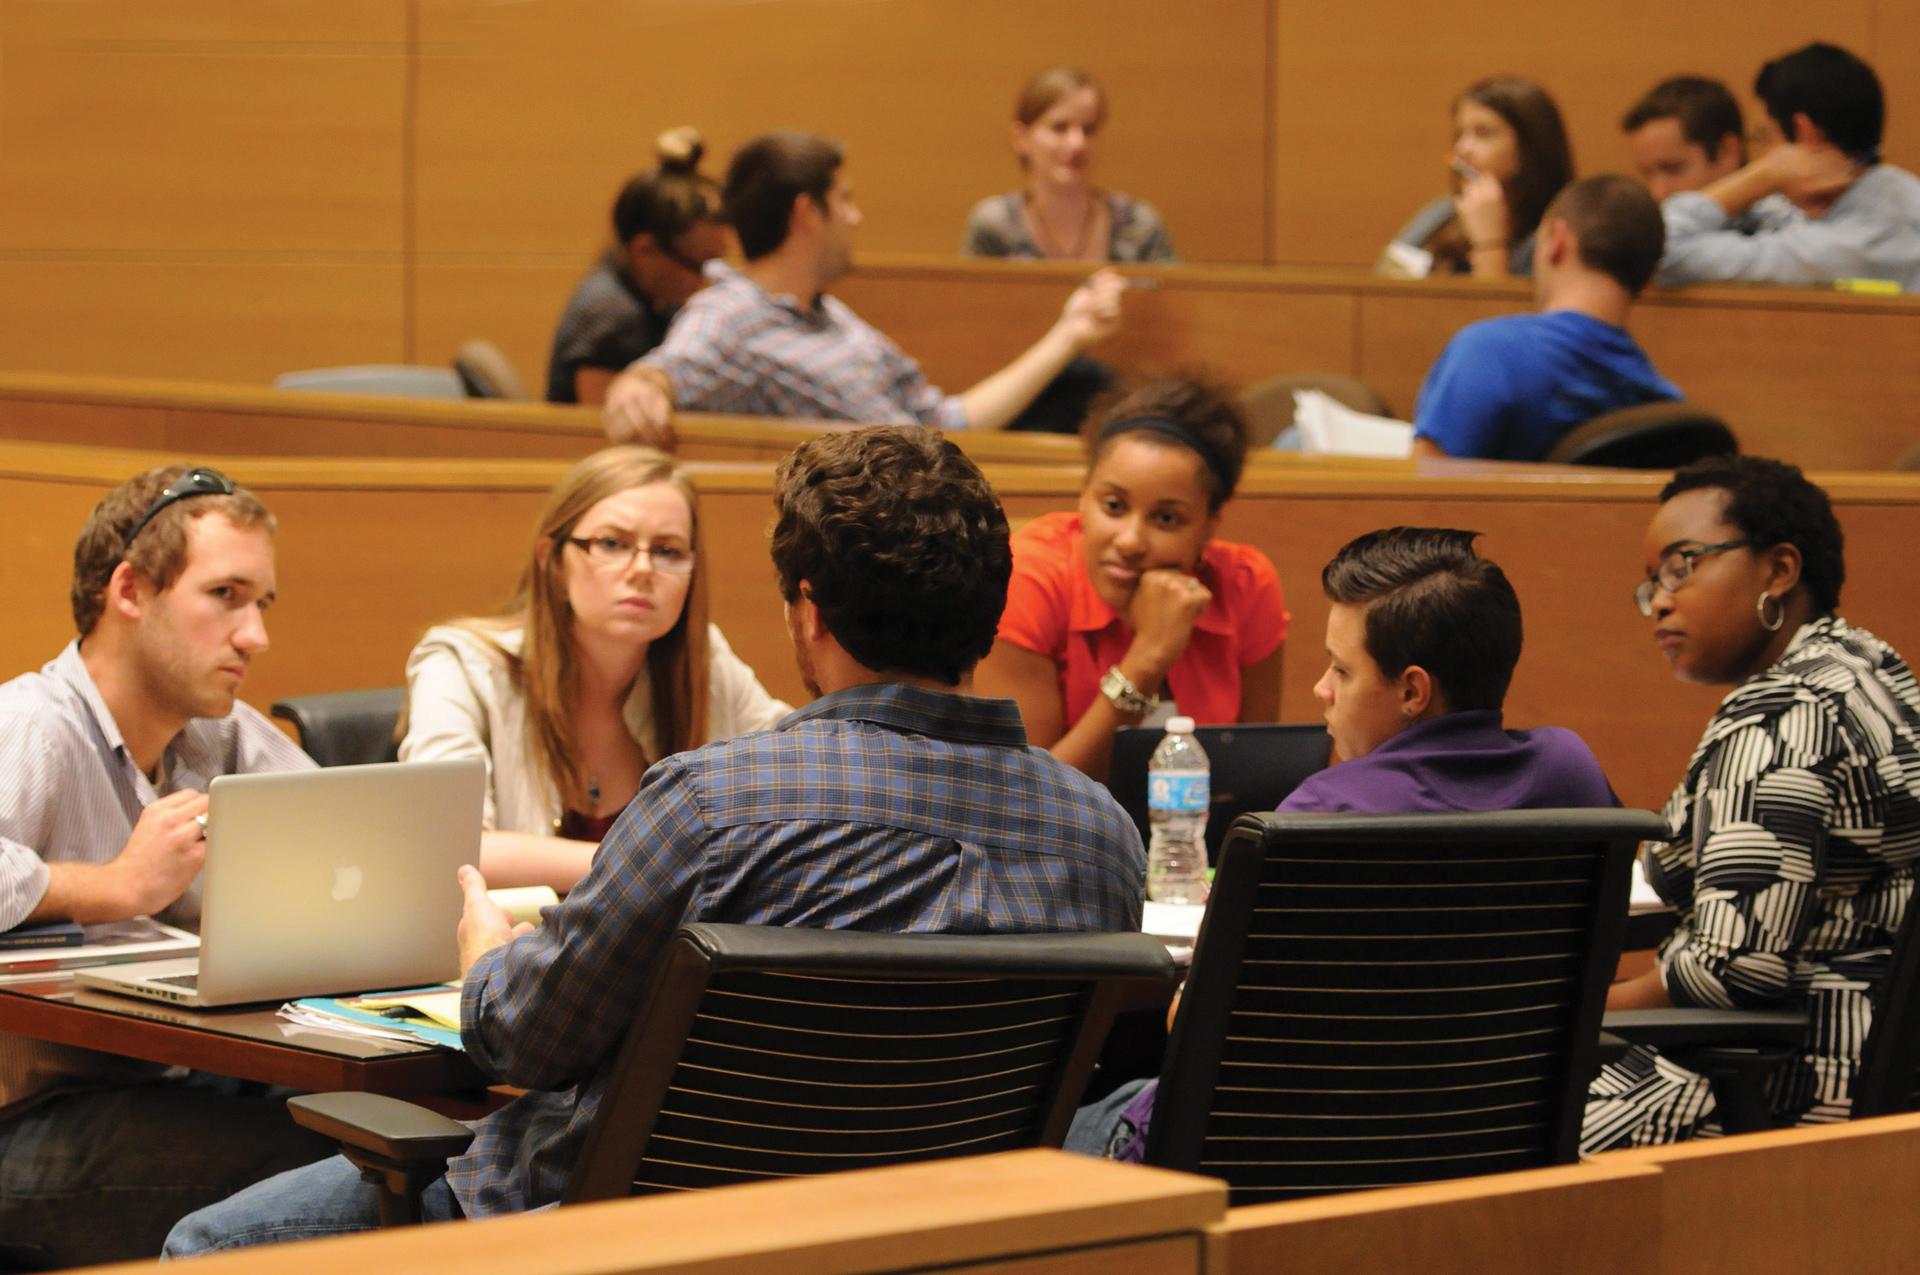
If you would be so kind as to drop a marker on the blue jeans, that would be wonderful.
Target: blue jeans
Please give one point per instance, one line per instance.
(322, 1199)
(99, 1175)
(1096, 1125)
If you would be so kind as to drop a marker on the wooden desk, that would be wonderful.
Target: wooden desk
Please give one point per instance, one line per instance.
(250, 1044)
(1824, 379)
(194, 418)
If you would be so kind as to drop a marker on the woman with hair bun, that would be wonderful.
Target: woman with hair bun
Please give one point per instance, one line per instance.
(667, 224)
(1062, 215)
(1129, 610)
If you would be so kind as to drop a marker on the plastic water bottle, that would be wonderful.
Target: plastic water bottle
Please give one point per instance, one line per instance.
(1179, 789)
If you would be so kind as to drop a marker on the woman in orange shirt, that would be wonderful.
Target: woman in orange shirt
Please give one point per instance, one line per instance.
(1120, 612)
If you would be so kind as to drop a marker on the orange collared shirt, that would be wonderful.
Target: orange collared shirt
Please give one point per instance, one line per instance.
(1053, 611)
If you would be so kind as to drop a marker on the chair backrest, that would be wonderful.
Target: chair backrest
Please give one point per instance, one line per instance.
(771, 1052)
(1269, 403)
(400, 380)
(485, 372)
(1651, 436)
(1378, 1000)
(1888, 1080)
(347, 728)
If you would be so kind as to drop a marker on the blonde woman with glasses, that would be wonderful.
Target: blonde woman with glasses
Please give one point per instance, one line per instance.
(601, 664)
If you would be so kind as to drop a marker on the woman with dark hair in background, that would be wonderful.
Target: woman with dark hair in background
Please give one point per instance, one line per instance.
(1510, 157)
(1062, 215)
(1120, 610)
(667, 225)
(1793, 837)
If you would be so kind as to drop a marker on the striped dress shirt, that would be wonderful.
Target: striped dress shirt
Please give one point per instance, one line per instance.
(71, 793)
(735, 347)
(876, 808)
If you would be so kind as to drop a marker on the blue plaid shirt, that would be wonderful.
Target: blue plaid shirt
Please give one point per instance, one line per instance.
(877, 808)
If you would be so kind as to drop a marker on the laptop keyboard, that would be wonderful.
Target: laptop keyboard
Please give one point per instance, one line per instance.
(189, 981)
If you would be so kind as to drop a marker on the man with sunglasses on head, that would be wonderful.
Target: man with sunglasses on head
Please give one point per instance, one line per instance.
(105, 757)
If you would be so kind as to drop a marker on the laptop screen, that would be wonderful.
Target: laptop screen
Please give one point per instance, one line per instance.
(1253, 768)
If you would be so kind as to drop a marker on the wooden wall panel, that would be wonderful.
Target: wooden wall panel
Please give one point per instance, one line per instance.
(234, 318)
(531, 115)
(1362, 91)
(507, 301)
(200, 188)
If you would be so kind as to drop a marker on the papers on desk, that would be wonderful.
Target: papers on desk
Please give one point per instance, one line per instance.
(1330, 427)
(1642, 898)
(112, 943)
(383, 1016)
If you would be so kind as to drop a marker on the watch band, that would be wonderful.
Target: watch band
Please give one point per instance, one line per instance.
(1124, 695)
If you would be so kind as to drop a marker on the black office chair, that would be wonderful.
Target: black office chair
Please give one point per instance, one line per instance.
(1389, 999)
(347, 728)
(772, 1052)
(1269, 403)
(1651, 436)
(1737, 1050)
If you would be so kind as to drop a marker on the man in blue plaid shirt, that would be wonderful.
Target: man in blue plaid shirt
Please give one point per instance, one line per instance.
(894, 801)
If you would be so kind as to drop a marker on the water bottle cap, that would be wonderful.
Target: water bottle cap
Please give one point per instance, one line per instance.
(1179, 726)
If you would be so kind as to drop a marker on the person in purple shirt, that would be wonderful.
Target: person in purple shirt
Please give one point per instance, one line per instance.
(1422, 641)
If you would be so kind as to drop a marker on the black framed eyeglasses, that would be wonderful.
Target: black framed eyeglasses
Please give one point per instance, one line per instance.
(198, 481)
(611, 553)
(1674, 570)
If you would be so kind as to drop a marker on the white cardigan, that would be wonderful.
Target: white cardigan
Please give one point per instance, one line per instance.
(461, 703)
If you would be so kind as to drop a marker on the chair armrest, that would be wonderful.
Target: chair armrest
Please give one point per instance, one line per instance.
(1695, 1028)
(395, 1131)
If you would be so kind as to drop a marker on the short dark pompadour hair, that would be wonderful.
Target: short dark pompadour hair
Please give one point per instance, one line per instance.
(1772, 503)
(902, 546)
(766, 176)
(1831, 87)
(1706, 111)
(1432, 601)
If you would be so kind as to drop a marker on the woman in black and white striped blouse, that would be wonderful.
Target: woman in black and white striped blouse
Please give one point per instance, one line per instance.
(1795, 833)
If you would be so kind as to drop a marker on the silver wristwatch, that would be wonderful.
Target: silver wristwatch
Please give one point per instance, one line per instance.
(1124, 695)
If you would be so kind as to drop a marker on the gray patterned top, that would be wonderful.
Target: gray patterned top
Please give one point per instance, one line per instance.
(995, 228)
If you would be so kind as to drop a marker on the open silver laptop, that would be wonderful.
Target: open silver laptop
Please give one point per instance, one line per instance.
(323, 881)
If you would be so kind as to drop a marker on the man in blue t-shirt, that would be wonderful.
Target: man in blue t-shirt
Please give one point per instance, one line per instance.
(1508, 388)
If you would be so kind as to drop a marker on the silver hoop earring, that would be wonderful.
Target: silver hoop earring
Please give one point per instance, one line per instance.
(1780, 616)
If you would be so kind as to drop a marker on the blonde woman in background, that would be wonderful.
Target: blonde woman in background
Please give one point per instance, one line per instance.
(1061, 215)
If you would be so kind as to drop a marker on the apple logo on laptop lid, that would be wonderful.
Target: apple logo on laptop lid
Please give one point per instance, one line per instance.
(347, 880)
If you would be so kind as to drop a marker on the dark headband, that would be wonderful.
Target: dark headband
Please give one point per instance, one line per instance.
(1168, 428)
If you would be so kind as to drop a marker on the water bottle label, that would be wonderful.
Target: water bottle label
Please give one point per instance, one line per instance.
(1185, 794)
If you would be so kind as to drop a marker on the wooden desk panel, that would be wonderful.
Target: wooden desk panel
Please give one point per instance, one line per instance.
(1579, 1218)
(1822, 379)
(1827, 1199)
(1025, 1211)
(250, 1044)
(372, 552)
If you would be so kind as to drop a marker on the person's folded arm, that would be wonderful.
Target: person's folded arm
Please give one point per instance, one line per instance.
(544, 1010)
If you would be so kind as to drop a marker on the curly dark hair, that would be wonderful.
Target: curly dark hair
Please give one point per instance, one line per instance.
(1203, 416)
(902, 546)
(1432, 601)
(1772, 503)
